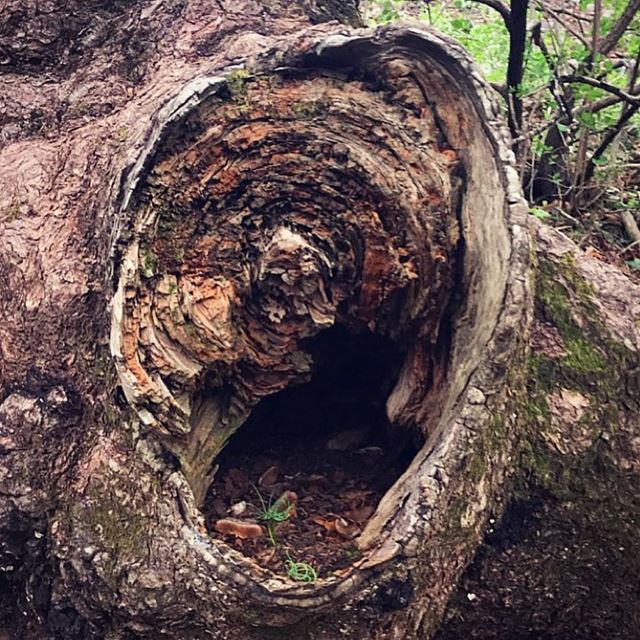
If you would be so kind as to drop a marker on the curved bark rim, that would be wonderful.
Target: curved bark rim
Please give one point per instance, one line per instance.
(401, 524)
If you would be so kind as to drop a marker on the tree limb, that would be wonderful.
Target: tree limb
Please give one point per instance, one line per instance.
(605, 86)
(609, 138)
(501, 8)
(603, 103)
(609, 42)
(563, 23)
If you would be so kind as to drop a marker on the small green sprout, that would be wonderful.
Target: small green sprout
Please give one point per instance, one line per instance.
(300, 571)
(149, 263)
(274, 513)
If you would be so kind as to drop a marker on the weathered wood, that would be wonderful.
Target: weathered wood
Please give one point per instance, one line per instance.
(176, 222)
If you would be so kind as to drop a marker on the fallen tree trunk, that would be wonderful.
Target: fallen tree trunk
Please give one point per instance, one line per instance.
(193, 231)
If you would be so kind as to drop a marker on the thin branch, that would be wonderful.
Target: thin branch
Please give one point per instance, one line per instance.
(560, 97)
(563, 23)
(610, 137)
(515, 64)
(573, 14)
(595, 30)
(605, 86)
(633, 75)
(603, 103)
(502, 9)
(609, 42)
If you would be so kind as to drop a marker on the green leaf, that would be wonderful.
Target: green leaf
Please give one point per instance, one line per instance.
(539, 213)
(634, 264)
(462, 24)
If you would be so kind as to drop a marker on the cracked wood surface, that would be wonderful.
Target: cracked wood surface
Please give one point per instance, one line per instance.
(406, 148)
(99, 526)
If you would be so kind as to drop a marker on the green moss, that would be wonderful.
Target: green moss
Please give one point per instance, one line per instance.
(149, 263)
(308, 109)
(582, 289)
(582, 357)
(564, 297)
(121, 134)
(489, 443)
(536, 409)
(592, 363)
(237, 83)
(119, 527)
(11, 213)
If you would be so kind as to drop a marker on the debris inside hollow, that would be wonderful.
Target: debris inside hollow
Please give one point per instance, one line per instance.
(321, 455)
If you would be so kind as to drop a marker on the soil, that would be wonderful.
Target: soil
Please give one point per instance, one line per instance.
(322, 454)
(334, 495)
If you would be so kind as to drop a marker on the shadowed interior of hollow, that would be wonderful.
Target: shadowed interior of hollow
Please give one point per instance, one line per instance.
(281, 207)
(330, 442)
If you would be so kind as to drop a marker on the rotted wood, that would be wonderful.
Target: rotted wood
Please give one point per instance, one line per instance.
(293, 206)
(229, 208)
(337, 185)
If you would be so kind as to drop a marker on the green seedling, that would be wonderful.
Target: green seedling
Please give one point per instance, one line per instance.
(300, 571)
(274, 513)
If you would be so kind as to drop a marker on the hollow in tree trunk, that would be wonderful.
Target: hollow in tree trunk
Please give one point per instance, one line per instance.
(253, 256)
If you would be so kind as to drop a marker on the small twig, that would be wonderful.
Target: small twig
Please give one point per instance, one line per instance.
(610, 137)
(573, 14)
(595, 31)
(633, 75)
(605, 86)
(502, 9)
(633, 245)
(563, 23)
(562, 212)
(603, 103)
(560, 97)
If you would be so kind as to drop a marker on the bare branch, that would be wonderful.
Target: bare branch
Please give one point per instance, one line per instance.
(562, 101)
(563, 23)
(599, 105)
(609, 42)
(605, 86)
(502, 9)
(595, 31)
(609, 138)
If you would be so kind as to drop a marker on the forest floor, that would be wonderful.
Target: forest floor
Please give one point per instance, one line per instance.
(295, 500)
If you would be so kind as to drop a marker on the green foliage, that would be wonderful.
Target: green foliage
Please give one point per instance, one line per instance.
(300, 571)
(476, 28)
(237, 82)
(575, 136)
(387, 11)
(539, 213)
(273, 513)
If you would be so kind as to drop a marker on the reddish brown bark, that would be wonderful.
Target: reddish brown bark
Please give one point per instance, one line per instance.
(189, 194)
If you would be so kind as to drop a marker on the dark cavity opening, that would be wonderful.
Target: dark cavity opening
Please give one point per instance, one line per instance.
(326, 447)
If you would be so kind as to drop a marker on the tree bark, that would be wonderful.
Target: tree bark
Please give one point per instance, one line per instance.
(190, 195)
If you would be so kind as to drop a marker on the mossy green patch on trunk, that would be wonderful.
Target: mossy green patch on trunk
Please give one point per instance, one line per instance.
(593, 364)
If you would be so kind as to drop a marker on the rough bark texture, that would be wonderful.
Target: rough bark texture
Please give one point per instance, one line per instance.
(563, 561)
(190, 191)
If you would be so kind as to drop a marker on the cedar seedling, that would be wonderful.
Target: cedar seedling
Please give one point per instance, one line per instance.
(275, 513)
(300, 571)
